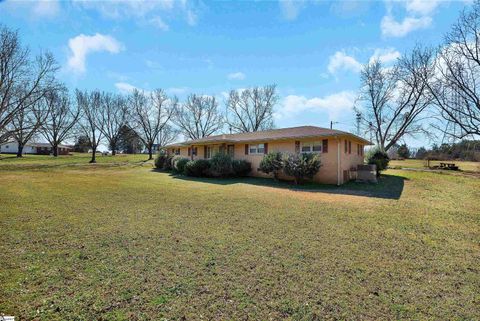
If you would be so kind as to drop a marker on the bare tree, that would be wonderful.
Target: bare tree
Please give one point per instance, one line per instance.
(61, 117)
(26, 122)
(456, 85)
(198, 117)
(395, 98)
(22, 81)
(90, 122)
(152, 112)
(251, 109)
(114, 114)
(167, 135)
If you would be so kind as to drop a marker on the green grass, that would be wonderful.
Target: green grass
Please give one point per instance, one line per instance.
(418, 163)
(127, 242)
(9, 161)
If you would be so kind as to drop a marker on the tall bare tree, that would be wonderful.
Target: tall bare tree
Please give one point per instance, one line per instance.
(198, 117)
(91, 122)
(456, 86)
(23, 80)
(152, 112)
(26, 122)
(167, 135)
(251, 109)
(114, 115)
(61, 118)
(394, 99)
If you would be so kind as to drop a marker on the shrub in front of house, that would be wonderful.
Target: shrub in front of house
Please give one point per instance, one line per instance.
(301, 166)
(197, 168)
(272, 163)
(379, 158)
(168, 164)
(241, 168)
(179, 164)
(160, 160)
(220, 165)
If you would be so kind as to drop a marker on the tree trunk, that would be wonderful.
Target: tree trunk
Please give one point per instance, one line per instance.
(20, 150)
(150, 153)
(94, 154)
(55, 150)
(114, 152)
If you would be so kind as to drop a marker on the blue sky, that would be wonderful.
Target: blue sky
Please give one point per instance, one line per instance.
(312, 50)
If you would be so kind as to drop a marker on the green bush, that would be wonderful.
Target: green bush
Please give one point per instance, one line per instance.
(241, 168)
(197, 168)
(377, 157)
(272, 163)
(301, 166)
(160, 160)
(221, 165)
(168, 164)
(179, 164)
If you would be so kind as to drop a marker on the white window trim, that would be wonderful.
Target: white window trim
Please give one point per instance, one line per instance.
(256, 149)
(310, 145)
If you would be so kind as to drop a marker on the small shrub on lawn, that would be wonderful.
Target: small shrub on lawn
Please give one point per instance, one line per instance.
(197, 168)
(221, 165)
(179, 164)
(272, 163)
(160, 160)
(301, 166)
(379, 158)
(241, 168)
(168, 164)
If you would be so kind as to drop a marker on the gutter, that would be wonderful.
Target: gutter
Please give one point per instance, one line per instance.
(338, 160)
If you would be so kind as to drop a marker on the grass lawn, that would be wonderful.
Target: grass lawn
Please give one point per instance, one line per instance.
(126, 243)
(418, 163)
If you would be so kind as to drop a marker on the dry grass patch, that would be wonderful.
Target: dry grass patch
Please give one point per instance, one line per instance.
(131, 243)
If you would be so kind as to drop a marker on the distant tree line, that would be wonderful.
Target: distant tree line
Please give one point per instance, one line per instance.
(33, 103)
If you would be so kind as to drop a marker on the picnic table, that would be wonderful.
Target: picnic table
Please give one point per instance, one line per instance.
(450, 166)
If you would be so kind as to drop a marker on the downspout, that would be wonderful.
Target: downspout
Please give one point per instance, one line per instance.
(338, 161)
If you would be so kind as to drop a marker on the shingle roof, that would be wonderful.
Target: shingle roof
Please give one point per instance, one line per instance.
(273, 134)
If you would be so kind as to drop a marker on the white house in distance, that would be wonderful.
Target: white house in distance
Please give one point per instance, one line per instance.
(11, 147)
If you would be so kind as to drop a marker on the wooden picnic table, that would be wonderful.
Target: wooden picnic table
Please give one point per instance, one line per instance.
(451, 166)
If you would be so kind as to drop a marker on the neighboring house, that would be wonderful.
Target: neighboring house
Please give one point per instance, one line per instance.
(340, 152)
(155, 149)
(33, 148)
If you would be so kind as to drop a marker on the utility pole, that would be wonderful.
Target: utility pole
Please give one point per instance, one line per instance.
(333, 122)
(358, 118)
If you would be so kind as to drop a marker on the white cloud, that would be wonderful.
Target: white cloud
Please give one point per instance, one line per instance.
(159, 23)
(422, 7)
(291, 8)
(334, 104)
(46, 8)
(391, 28)
(236, 76)
(82, 45)
(177, 90)
(341, 61)
(142, 11)
(191, 18)
(385, 55)
(125, 88)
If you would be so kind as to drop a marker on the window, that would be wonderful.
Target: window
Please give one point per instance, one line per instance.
(6, 147)
(257, 149)
(346, 146)
(312, 147)
(349, 147)
(177, 151)
(208, 153)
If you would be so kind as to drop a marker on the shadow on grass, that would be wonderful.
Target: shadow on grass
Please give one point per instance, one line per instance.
(388, 187)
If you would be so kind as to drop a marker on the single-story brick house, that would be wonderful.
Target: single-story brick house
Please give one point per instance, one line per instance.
(340, 152)
(11, 147)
